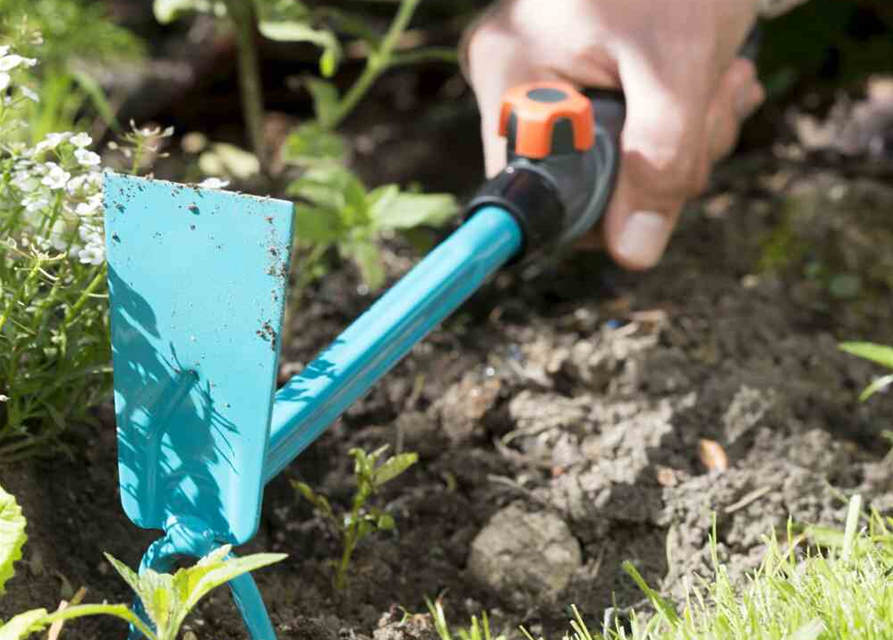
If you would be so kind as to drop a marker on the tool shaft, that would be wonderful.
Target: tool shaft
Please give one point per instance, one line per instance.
(387, 331)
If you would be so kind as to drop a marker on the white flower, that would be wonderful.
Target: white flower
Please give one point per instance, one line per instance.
(87, 158)
(92, 254)
(4, 398)
(82, 140)
(90, 206)
(35, 203)
(56, 177)
(213, 183)
(4, 80)
(57, 236)
(52, 141)
(11, 61)
(4, 50)
(25, 181)
(76, 184)
(33, 97)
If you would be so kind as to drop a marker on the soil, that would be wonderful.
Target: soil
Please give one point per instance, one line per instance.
(627, 407)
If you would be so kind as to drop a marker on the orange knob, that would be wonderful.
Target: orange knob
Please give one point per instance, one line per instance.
(541, 118)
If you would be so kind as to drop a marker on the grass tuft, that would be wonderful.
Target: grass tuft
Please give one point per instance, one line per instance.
(818, 584)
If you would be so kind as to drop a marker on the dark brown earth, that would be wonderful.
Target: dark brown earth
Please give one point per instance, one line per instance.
(580, 398)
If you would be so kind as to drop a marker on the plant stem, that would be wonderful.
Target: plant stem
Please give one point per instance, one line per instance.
(242, 14)
(98, 279)
(431, 54)
(116, 610)
(377, 63)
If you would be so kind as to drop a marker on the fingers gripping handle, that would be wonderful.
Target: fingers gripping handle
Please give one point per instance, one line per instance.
(562, 158)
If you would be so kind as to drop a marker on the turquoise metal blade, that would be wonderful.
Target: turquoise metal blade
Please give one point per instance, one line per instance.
(197, 282)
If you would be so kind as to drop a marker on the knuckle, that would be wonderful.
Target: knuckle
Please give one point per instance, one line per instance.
(674, 171)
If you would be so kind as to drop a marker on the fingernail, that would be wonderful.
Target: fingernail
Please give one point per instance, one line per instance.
(643, 238)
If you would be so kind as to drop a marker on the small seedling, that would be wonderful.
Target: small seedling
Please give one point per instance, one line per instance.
(880, 354)
(362, 520)
(477, 631)
(167, 598)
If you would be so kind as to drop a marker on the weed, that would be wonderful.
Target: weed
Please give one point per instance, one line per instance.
(167, 598)
(335, 210)
(877, 353)
(361, 520)
(477, 631)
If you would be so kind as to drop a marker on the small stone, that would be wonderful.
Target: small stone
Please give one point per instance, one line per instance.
(525, 556)
(713, 456)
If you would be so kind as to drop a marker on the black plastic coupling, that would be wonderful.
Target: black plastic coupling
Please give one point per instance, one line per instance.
(531, 196)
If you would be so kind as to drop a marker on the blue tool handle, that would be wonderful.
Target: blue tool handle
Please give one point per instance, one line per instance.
(387, 331)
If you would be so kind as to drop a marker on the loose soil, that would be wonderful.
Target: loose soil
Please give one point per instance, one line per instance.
(630, 407)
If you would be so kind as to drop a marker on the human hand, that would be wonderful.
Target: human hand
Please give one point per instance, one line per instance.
(686, 90)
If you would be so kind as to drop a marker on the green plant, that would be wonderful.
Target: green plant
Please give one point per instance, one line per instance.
(71, 38)
(477, 631)
(167, 598)
(876, 353)
(335, 210)
(362, 520)
(54, 340)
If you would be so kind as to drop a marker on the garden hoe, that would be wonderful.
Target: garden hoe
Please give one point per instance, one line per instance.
(198, 281)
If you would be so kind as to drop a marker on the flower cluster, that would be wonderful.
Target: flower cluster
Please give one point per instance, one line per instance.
(59, 183)
(56, 185)
(8, 63)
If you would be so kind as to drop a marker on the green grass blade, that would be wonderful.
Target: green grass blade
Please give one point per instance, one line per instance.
(878, 353)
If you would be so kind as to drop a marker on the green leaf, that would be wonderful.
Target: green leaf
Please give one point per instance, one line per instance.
(303, 31)
(23, 625)
(311, 143)
(664, 607)
(317, 225)
(394, 467)
(878, 385)
(155, 591)
(203, 578)
(130, 576)
(386, 522)
(875, 352)
(228, 160)
(12, 536)
(328, 63)
(325, 99)
(409, 210)
(166, 11)
(317, 500)
(330, 186)
(160, 599)
(368, 258)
